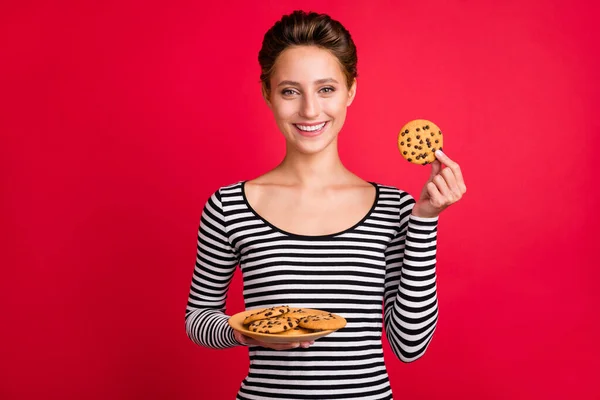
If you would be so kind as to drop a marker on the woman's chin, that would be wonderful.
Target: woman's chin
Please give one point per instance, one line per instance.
(310, 147)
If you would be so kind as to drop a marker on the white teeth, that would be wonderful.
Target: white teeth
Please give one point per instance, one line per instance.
(310, 128)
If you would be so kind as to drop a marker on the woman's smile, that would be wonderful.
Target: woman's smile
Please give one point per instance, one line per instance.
(311, 130)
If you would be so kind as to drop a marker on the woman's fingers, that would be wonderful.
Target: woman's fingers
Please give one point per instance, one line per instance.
(285, 346)
(454, 167)
(241, 339)
(455, 192)
(444, 187)
(435, 197)
(447, 190)
(280, 346)
(436, 166)
(441, 185)
(248, 341)
(447, 187)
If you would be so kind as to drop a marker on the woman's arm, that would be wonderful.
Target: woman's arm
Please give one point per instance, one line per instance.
(216, 260)
(410, 302)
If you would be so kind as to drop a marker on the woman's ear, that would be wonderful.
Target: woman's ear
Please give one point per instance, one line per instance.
(351, 93)
(265, 94)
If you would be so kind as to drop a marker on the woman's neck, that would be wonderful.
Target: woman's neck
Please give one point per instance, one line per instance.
(316, 170)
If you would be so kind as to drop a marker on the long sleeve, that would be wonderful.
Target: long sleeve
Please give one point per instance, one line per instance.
(410, 301)
(216, 260)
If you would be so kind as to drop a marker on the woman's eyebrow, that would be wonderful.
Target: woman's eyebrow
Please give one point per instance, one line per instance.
(317, 82)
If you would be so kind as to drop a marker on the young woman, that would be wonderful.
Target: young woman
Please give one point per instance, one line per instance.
(310, 233)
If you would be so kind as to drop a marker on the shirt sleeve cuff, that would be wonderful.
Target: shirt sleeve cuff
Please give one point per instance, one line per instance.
(424, 219)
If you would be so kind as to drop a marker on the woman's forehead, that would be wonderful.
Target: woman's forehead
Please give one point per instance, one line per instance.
(306, 65)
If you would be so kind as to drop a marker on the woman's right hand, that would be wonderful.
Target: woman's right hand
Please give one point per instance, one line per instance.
(248, 341)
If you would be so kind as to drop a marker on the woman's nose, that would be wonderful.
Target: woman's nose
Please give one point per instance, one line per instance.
(310, 107)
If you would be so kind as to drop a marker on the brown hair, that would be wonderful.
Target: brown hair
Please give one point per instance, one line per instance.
(307, 29)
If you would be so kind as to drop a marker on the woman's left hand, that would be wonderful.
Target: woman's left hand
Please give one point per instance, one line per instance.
(444, 187)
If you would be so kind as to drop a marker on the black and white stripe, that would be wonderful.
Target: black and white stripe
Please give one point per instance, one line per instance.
(387, 258)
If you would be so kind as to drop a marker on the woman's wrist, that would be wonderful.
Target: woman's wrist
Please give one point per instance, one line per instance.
(418, 214)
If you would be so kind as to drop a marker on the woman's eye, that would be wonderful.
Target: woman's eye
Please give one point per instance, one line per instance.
(287, 92)
(328, 90)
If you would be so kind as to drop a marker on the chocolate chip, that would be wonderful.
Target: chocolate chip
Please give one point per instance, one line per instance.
(408, 145)
(402, 133)
(432, 133)
(418, 137)
(440, 132)
(404, 152)
(406, 131)
(433, 149)
(426, 126)
(437, 141)
(413, 153)
(410, 159)
(425, 163)
(401, 143)
(421, 142)
(418, 129)
(408, 140)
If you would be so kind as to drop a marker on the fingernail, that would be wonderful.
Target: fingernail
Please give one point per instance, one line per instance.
(439, 153)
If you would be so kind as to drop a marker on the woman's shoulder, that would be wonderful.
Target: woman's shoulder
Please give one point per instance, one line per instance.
(391, 192)
(226, 192)
(231, 187)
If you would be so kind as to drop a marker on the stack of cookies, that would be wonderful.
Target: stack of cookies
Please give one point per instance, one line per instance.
(284, 320)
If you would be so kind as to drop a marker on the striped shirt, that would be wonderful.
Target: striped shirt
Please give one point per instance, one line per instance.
(380, 273)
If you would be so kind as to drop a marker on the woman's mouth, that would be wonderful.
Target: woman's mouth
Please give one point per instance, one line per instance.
(311, 130)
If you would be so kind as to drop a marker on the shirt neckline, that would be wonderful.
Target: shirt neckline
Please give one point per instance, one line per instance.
(297, 235)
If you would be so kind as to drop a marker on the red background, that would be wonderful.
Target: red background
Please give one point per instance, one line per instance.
(119, 118)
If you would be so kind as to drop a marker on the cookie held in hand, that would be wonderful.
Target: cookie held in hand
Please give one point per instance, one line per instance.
(418, 140)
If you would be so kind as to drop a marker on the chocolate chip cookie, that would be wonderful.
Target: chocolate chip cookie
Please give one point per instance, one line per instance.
(418, 140)
(273, 325)
(266, 313)
(322, 322)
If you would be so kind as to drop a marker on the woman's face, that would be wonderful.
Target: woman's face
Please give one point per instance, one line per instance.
(309, 97)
